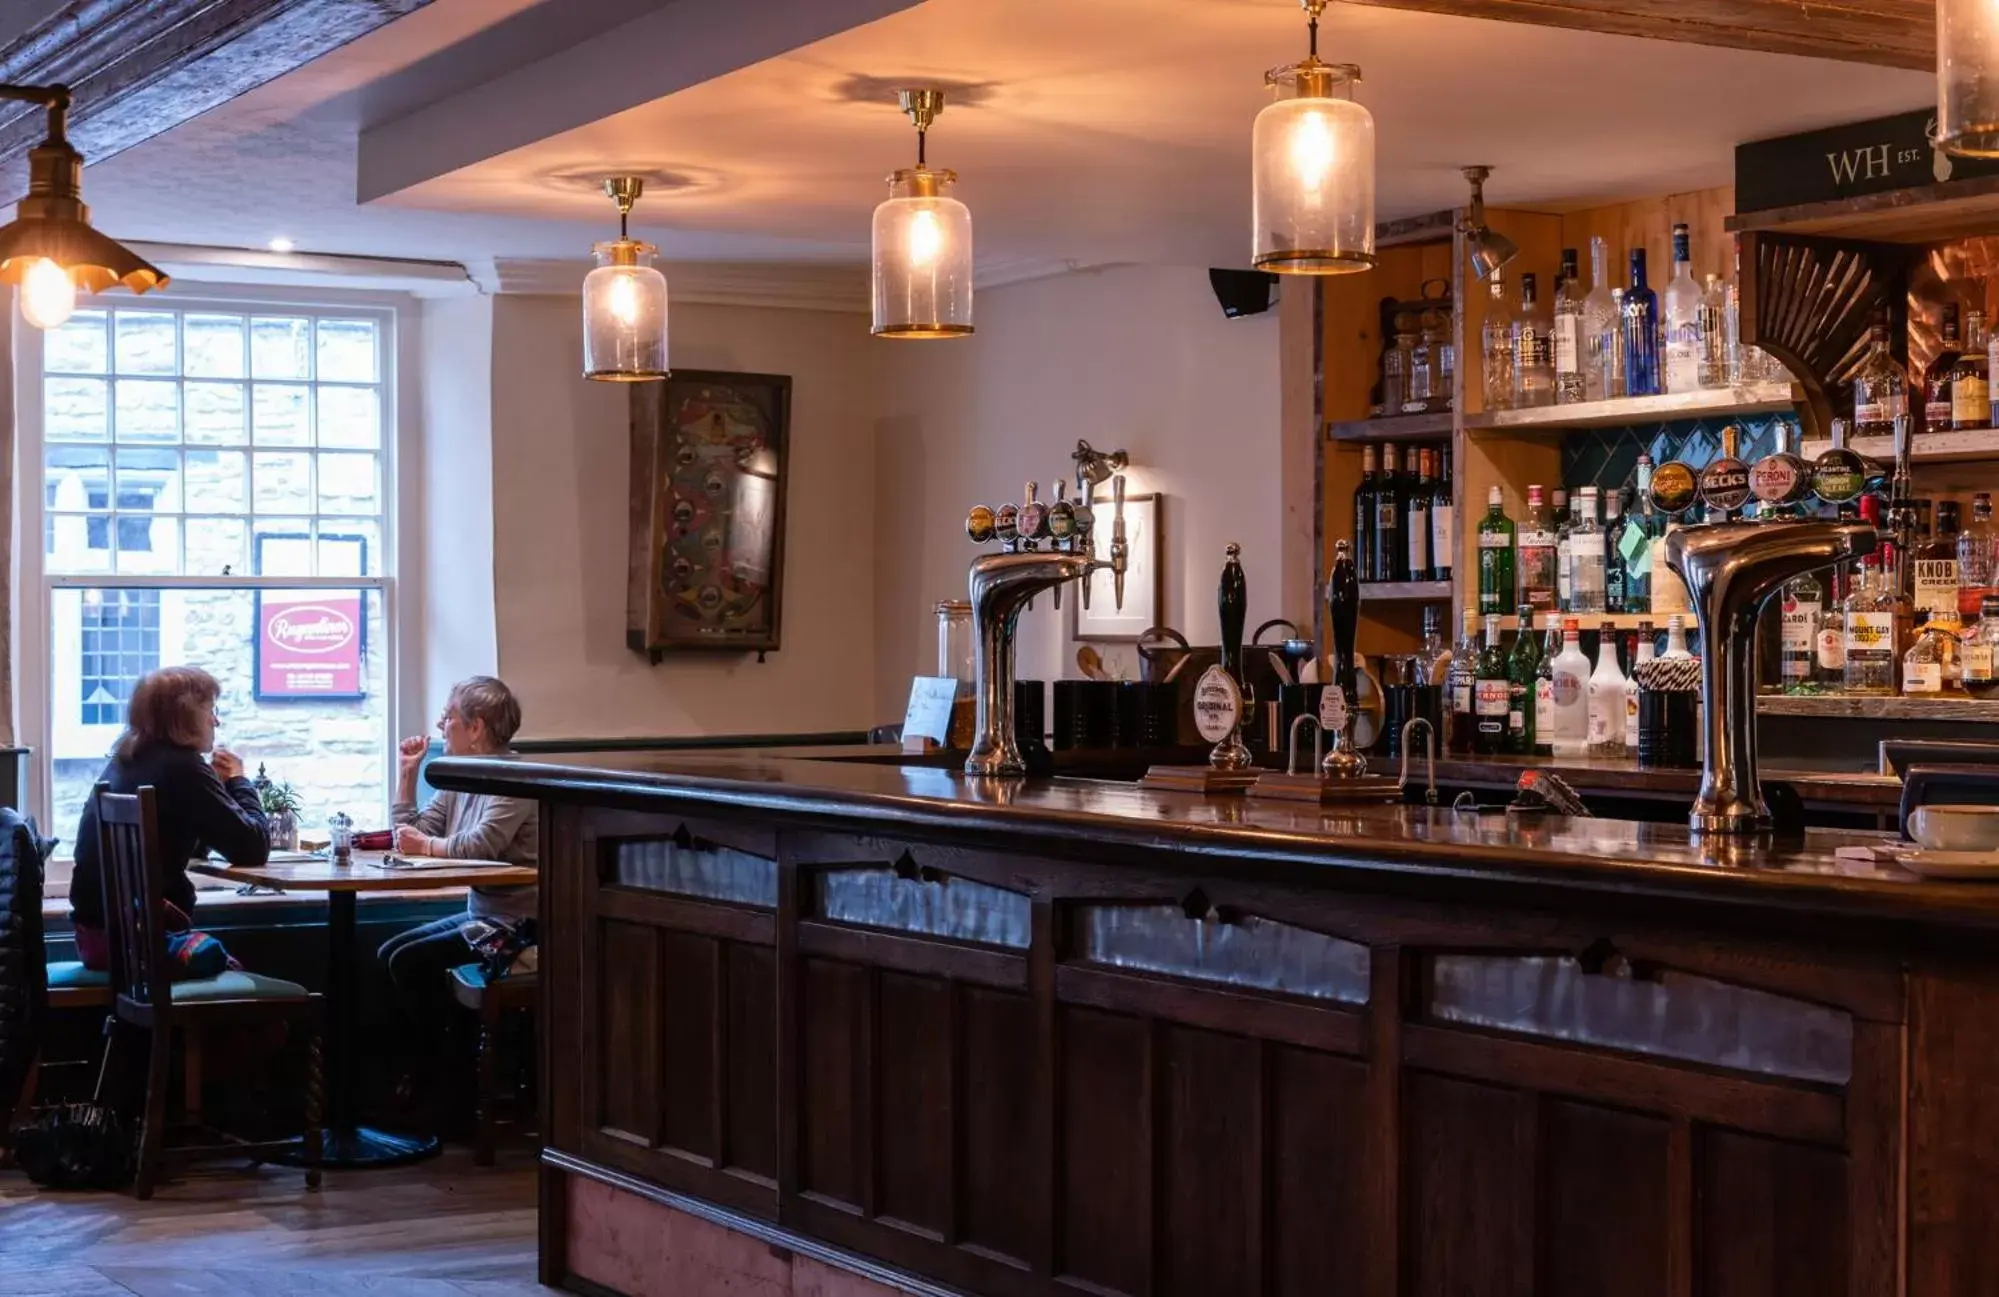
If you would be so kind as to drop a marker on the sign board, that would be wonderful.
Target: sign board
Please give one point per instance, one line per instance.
(929, 713)
(1867, 157)
(310, 644)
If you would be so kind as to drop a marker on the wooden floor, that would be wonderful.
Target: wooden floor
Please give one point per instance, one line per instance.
(443, 1228)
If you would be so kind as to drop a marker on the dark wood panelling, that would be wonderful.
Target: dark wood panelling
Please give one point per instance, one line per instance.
(1604, 1227)
(629, 1008)
(712, 919)
(1210, 1175)
(751, 1079)
(1469, 1176)
(1953, 1133)
(1318, 1221)
(687, 1039)
(996, 1093)
(832, 1018)
(930, 956)
(1771, 1220)
(1105, 1222)
(913, 1118)
(1312, 1024)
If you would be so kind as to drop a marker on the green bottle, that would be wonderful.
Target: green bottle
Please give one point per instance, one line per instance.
(1521, 669)
(1490, 690)
(1495, 557)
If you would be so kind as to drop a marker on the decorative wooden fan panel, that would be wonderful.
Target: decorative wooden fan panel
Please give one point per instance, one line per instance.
(1809, 301)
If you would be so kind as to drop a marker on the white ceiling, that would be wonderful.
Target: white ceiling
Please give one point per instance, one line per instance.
(1089, 132)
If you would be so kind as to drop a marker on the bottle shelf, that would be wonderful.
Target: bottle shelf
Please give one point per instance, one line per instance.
(1380, 591)
(1755, 398)
(1889, 708)
(1590, 621)
(1920, 214)
(1972, 446)
(1398, 427)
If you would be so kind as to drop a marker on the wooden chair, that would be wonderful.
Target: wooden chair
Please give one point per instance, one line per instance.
(145, 998)
(492, 1001)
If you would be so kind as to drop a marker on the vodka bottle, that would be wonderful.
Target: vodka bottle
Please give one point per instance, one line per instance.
(1586, 557)
(1607, 687)
(1569, 685)
(1685, 345)
(1571, 385)
(1496, 345)
(1533, 349)
(1645, 650)
(1642, 371)
(1603, 349)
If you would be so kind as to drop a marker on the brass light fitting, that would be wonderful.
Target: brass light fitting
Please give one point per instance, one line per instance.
(922, 241)
(624, 191)
(1312, 158)
(922, 108)
(52, 223)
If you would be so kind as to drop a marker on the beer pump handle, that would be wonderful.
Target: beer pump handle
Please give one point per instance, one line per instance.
(1233, 599)
(1120, 551)
(1343, 616)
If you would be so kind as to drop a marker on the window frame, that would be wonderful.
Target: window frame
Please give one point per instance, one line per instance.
(396, 321)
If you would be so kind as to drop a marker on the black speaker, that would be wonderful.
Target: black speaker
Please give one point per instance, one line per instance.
(1243, 292)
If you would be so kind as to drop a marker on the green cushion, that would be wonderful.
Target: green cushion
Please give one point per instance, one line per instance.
(71, 975)
(236, 986)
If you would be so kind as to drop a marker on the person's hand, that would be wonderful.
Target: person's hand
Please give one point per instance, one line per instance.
(410, 752)
(411, 841)
(227, 764)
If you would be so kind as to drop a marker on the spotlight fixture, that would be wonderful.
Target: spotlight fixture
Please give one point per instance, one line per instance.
(50, 248)
(624, 301)
(922, 243)
(1487, 248)
(1096, 466)
(1313, 152)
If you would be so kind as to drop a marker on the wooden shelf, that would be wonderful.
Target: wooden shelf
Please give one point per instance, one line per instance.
(1757, 398)
(1892, 708)
(1400, 427)
(1921, 214)
(1380, 591)
(1974, 445)
(1590, 621)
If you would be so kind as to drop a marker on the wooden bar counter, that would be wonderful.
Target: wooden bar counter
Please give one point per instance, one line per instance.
(816, 1027)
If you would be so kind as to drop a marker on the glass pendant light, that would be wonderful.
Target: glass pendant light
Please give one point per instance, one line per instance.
(1968, 78)
(1313, 150)
(922, 243)
(624, 301)
(50, 248)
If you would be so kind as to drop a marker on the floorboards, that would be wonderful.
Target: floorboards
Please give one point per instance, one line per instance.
(442, 1228)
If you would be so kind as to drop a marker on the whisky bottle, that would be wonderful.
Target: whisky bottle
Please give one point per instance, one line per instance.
(1935, 581)
(1937, 379)
(1880, 385)
(1970, 380)
(1932, 665)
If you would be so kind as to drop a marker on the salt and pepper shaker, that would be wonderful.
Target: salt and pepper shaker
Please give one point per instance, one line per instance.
(1233, 604)
(341, 829)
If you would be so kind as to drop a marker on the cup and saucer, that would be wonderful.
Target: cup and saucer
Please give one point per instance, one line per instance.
(1954, 841)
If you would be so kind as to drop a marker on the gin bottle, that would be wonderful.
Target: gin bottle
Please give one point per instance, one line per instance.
(1614, 569)
(1634, 540)
(1536, 560)
(1570, 383)
(1603, 349)
(1641, 333)
(1496, 345)
(1685, 346)
(1533, 350)
(1495, 556)
(1585, 557)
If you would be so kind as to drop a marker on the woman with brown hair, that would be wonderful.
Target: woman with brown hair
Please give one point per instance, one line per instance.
(203, 805)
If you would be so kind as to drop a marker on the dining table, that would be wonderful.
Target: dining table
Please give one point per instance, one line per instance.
(347, 1143)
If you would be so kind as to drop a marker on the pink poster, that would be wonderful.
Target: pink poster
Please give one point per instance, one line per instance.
(309, 643)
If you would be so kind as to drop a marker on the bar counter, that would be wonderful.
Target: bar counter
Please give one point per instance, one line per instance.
(842, 1027)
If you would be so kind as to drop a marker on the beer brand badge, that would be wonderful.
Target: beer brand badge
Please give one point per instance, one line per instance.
(1217, 704)
(1333, 709)
(1725, 484)
(1673, 487)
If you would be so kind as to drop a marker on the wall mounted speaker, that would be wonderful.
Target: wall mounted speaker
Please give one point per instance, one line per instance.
(1243, 292)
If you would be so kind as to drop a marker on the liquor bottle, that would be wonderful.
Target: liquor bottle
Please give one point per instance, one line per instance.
(1979, 648)
(1558, 508)
(1391, 550)
(1780, 481)
(1615, 380)
(1496, 345)
(1463, 723)
(1570, 673)
(1416, 516)
(1880, 385)
(1634, 540)
(1614, 569)
(1971, 379)
(1363, 516)
(1603, 350)
(1839, 474)
(1934, 585)
(1533, 350)
(1496, 558)
(1714, 346)
(1570, 384)
(1937, 379)
(1544, 689)
(1521, 667)
(1490, 693)
(1933, 665)
(1682, 310)
(1607, 687)
(1433, 667)
(1829, 666)
(1641, 333)
(1870, 635)
(1421, 387)
(1585, 558)
(1803, 610)
(1564, 525)
(1977, 559)
(1646, 648)
(1443, 521)
(1725, 480)
(1536, 553)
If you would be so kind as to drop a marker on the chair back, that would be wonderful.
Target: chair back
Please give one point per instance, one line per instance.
(128, 849)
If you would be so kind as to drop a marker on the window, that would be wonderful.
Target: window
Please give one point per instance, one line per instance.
(215, 487)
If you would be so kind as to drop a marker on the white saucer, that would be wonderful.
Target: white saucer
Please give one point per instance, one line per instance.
(1951, 864)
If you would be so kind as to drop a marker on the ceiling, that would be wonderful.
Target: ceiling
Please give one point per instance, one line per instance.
(1085, 131)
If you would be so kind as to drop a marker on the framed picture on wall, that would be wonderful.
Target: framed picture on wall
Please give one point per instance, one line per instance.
(706, 553)
(1103, 619)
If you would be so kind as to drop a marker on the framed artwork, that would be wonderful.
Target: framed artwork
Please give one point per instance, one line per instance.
(1103, 620)
(706, 556)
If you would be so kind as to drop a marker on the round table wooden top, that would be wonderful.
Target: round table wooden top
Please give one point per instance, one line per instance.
(369, 874)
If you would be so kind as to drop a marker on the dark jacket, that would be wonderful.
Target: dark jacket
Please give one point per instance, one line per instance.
(198, 813)
(23, 958)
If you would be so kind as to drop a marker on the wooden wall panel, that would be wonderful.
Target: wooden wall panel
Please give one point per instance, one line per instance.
(1648, 223)
(833, 1091)
(996, 1088)
(751, 1052)
(913, 1109)
(1606, 1215)
(1317, 1120)
(628, 1022)
(1104, 1218)
(687, 1043)
(1211, 1164)
(1770, 1219)
(1469, 1178)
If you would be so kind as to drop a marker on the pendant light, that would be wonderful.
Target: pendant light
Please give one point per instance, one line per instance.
(922, 243)
(624, 301)
(1313, 150)
(50, 248)
(1968, 78)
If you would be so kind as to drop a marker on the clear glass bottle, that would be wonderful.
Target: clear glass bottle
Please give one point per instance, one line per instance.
(1870, 635)
(1458, 687)
(1642, 371)
(1978, 649)
(1802, 611)
(1603, 350)
(1681, 309)
(1536, 553)
(1586, 557)
(1829, 667)
(1714, 336)
(1571, 384)
(1932, 665)
(1937, 379)
(1533, 349)
(1970, 381)
(1880, 386)
(1977, 558)
(1496, 565)
(1496, 346)
(1490, 694)
(1395, 384)
(1419, 396)
(1607, 688)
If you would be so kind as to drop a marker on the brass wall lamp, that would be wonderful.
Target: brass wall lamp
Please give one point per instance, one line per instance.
(50, 248)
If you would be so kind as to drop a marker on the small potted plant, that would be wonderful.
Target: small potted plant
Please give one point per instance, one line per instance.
(281, 812)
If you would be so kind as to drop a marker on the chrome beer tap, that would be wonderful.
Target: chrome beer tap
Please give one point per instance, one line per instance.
(1001, 586)
(1086, 527)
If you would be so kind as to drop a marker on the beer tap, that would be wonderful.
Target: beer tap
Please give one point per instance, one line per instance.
(1903, 521)
(1061, 531)
(1120, 552)
(1232, 599)
(1033, 521)
(1086, 528)
(1343, 615)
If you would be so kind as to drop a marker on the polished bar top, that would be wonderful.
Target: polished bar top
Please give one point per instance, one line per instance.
(1283, 841)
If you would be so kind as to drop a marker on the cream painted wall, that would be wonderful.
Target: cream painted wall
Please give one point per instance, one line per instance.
(447, 521)
(559, 454)
(1133, 357)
